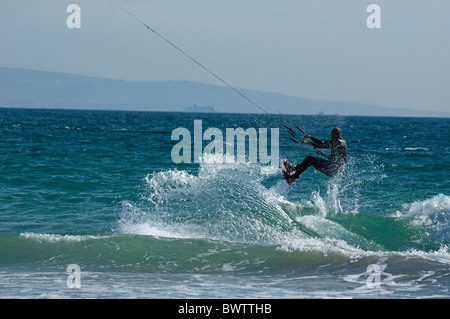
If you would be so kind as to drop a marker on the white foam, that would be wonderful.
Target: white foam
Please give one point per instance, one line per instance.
(416, 149)
(433, 213)
(423, 210)
(407, 149)
(325, 246)
(52, 238)
(157, 230)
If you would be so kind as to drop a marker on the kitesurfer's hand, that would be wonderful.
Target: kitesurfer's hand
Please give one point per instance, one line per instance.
(304, 141)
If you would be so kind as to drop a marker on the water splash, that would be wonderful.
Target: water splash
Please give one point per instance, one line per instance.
(222, 202)
(229, 202)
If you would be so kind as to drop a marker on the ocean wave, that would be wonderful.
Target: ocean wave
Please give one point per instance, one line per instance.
(263, 238)
(418, 148)
(53, 238)
(136, 253)
(433, 214)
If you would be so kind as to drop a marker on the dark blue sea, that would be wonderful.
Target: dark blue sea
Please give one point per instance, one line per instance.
(100, 190)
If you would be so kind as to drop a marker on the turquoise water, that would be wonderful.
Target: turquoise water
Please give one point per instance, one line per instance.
(99, 189)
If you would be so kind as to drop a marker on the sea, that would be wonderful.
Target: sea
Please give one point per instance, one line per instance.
(94, 206)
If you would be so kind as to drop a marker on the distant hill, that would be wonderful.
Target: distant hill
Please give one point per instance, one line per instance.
(41, 89)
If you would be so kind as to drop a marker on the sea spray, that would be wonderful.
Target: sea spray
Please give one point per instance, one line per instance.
(222, 202)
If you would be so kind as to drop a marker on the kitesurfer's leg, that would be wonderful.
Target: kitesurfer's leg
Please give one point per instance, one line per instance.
(318, 163)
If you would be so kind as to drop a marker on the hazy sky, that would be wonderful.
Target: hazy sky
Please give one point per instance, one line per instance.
(319, 49)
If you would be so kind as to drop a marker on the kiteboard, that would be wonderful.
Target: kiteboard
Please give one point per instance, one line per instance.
(285, 171)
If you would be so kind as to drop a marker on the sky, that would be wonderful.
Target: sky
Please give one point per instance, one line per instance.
(316, 49)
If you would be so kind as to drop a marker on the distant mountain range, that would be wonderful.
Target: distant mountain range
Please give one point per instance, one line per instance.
(41, 89)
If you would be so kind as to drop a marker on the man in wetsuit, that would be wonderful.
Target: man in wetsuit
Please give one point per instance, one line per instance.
(330, 167)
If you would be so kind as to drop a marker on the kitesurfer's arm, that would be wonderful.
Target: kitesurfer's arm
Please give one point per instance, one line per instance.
(315, 142)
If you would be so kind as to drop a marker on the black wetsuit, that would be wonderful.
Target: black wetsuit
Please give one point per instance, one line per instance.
(336, 160)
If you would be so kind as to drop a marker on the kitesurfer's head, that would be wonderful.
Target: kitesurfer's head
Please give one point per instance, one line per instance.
(336, 133)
